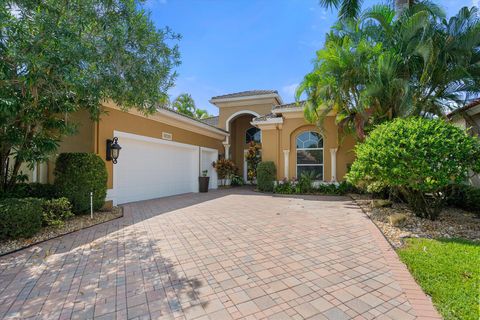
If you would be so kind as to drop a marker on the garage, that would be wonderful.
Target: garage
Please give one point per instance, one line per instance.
(151, 168)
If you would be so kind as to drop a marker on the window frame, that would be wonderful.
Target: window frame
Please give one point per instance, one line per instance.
(245, 135)
(305, 149)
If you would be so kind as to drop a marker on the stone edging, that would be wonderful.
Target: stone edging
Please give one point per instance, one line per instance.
(61, 235)
(420, 302)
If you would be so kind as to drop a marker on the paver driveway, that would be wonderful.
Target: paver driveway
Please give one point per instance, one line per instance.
(219, 255)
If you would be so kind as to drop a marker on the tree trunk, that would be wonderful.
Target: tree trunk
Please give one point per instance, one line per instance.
(401, 5)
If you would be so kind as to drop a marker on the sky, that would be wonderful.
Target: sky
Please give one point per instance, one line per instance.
(236, 45)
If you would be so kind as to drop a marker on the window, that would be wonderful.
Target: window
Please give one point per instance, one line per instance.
(253, 134)
(310, 154)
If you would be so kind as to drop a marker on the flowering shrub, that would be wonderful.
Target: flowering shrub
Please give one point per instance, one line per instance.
(253, 159)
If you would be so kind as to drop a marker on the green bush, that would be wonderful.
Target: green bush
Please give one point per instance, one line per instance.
(78, 174)
(266, 173)
(465, 197)
(417, 157)
(237, 181)
(20, 218)
(56, 211)
(31, 190)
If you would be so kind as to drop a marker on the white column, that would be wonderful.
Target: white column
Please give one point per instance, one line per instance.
(333, 157)
(286, 158)
(227, 150)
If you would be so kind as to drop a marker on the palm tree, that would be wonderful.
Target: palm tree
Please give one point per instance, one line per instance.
(383, 66)
(184, 104)
(351, 8)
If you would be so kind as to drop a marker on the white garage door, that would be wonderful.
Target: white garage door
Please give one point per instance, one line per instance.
(150, 168)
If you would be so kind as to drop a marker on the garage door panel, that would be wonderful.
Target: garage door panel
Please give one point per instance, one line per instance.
(152, 169)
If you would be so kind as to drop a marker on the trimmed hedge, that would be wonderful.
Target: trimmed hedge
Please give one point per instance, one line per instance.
(20, 218)
(78, 174)
(266, 173)
(31, 190)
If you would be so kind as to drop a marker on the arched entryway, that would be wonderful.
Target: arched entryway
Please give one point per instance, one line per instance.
(241, 133)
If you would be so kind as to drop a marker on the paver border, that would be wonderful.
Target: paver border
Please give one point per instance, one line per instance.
(63, 234)
(421, 303)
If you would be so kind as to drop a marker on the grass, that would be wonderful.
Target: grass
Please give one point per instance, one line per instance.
(449, 271)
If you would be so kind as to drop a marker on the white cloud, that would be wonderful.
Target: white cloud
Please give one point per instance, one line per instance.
(289, 91)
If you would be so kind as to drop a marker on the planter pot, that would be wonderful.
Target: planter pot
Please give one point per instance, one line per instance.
(203, 184)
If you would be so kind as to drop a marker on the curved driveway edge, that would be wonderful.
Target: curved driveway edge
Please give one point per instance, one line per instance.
(228, 254)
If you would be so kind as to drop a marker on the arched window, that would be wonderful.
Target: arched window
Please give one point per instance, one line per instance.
(310, 154)
(253, 134)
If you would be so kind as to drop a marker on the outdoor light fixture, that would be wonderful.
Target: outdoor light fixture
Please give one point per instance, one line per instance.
(113, 150)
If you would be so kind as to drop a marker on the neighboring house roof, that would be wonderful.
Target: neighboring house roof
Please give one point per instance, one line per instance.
(465, 108)
(212, 121)
(246, 94)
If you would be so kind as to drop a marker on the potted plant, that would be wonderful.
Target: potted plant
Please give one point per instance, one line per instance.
(203, 182)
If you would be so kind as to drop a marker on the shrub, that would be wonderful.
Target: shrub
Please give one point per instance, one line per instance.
(78, 174)
(464, 196)
(284, 187)
(419, 158)
(237, 181)
(20, 218)
(31, 190)
(266, 174)
(252, 158)
(56, 211)
(305, 183)
(225, 168)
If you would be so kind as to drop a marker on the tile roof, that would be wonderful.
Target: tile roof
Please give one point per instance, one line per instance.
(212, 121)
(466, 107)
(289, 105)
(265, 117)
(245, 94)
(188, 117)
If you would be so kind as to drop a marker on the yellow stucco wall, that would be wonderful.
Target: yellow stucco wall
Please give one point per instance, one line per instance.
(226, 110)
(277, 140)
(126, 122)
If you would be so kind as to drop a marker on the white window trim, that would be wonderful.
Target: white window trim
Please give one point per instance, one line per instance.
(309, 165)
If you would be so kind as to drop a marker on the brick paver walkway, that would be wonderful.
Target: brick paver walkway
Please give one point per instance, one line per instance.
(222, 255)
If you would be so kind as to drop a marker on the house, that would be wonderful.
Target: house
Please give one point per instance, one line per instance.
(164, 153)
(468, 117)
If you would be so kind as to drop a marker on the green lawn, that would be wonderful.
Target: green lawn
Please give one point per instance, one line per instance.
(449, 271)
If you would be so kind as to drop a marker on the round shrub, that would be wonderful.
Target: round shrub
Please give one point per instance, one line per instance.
(78, 174)
(266, 173)
(56, 211)
(419, 158)
(20, 218)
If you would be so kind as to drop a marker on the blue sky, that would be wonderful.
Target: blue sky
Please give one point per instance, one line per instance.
(231, 46)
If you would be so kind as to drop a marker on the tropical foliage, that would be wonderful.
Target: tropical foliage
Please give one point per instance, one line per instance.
(417, 157)
(60, 56)
(252, 158)
(382, 66)
(185, 104)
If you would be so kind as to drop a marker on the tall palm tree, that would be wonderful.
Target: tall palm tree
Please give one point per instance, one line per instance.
(184, 104)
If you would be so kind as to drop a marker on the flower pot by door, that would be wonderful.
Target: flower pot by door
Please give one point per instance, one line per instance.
(203, 184)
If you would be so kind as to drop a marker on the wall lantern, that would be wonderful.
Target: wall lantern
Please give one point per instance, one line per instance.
(113, 150)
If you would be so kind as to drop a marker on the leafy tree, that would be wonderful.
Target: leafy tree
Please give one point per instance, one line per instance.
(185, 104)
(60, 56)
(380, 66)
(417, 157)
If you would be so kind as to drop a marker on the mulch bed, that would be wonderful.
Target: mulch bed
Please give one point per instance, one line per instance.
(76, 223)
(452, 222)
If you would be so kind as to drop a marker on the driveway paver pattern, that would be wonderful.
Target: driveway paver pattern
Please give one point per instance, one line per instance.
(228, 254)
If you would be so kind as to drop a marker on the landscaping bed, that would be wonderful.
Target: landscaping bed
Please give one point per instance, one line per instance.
(75, 223)
(452, 222)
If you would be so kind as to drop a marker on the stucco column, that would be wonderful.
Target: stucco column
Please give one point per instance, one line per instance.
(286, 157)
(227, 150)
(333, 158)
